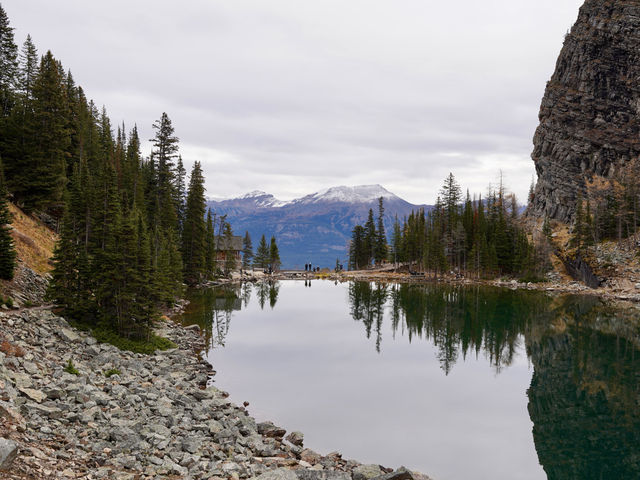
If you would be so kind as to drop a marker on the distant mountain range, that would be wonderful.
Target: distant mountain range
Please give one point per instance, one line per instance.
(315, 228)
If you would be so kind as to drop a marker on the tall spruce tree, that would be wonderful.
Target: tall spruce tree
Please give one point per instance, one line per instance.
(247, 251)
(263, 255)
(194, 229)
(370, 237)
(8, 64)
(41, 184)
(210, 249)
(274, 254)
(28, 69)
(381, 237)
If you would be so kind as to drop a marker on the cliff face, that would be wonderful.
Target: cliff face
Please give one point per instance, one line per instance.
(590, 114)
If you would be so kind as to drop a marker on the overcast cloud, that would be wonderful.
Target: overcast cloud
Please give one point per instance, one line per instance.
(292, 97)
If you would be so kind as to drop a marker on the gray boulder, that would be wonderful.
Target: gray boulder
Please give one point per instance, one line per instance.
(365, 472)
(278, 474)
(8, 453)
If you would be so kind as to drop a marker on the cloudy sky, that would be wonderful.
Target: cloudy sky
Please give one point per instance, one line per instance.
(295, 96)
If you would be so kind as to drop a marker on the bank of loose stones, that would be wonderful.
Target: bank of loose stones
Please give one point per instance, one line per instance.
(154, 419)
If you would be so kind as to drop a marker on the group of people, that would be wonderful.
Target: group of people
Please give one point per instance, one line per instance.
(308, 267)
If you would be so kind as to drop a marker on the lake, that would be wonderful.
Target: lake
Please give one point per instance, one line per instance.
(456, 382)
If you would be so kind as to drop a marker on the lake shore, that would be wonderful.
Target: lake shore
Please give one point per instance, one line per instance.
(622, 290)
(132, 416)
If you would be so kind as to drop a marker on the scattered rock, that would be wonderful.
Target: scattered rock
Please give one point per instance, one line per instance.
(365, 472)
(152, 420)
(8, 453)
(268, 429)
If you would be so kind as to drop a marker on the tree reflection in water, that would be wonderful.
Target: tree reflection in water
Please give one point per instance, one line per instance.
(584, 397)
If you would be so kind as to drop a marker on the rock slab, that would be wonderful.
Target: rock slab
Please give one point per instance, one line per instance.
(8, 453)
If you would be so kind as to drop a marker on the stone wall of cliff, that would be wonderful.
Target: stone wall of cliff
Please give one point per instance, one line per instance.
(590, 114)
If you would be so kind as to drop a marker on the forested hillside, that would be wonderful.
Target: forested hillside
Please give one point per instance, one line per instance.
(131, 229)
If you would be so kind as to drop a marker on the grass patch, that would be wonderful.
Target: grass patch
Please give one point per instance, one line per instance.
(6, 301)
(34, 242)
(112, 372)
(70, 368)
(107, 335)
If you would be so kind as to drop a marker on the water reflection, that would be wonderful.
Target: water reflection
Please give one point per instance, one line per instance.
(458, 320)
(267, 290)
(584, 398)
(584, 395)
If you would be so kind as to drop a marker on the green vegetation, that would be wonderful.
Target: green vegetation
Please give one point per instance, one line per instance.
(104, 334)
(71, 369)
(247, 251)
(481, 237)
(112, 372)
(130, 232)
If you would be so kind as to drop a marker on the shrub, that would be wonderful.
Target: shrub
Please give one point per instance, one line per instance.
(70, 368)
(104, 334)
(111, 372)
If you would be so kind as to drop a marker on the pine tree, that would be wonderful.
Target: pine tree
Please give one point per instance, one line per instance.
(370, 237)
(247, 251)
(263, 255)
(381, 237)
(180, 193)
(28, 69)
(164, 153)
(194, 230)
(274, 255)
(358, 256)
(396, 243)
(7, 248)
(229, 254)
(210, 250)
(8, 64)
(41, 181)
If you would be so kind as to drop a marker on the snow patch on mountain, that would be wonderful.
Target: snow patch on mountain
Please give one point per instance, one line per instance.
(345, 194)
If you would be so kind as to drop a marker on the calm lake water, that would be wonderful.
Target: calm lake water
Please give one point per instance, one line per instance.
(455, 382)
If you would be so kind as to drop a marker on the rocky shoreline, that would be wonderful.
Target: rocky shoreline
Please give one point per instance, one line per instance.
(132, 416)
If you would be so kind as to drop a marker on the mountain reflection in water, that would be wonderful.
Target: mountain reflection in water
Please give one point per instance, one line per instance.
(584, 396)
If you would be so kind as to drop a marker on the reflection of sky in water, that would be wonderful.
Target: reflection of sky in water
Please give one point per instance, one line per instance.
(308, 366)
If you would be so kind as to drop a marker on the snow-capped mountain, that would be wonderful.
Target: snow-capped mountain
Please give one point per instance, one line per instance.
(315, 228)
(343, 194)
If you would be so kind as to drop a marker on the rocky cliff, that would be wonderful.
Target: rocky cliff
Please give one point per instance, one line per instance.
(590, 115)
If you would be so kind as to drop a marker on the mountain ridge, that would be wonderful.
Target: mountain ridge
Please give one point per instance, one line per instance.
(313, 228)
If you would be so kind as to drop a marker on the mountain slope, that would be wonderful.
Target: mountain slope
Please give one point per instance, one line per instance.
(315, 228)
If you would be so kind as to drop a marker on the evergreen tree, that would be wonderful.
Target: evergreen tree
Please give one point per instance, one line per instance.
(396, 243)
(229, 253)
(370, 238)
(164, 153)
(8, 63)
(274, 255)
(40, 184)
(358, 249)
(179, 193)
(247, 251)
(28, 69)
(194, 231)
(210, 250)
(7, 249)
(263, 255)
(381, 237)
